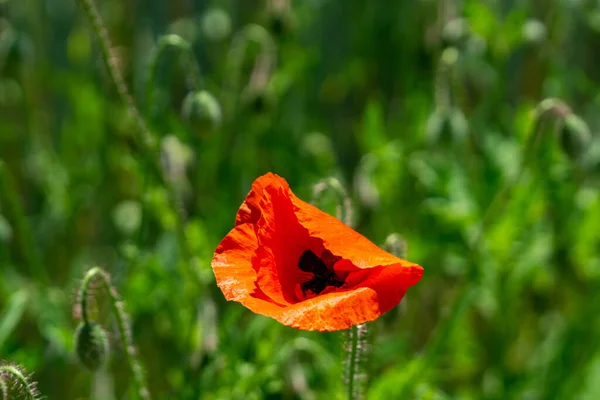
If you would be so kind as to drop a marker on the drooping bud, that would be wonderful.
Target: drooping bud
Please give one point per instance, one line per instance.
(202, 112)
(91, 345)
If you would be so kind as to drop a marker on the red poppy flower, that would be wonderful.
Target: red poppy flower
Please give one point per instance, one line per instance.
(297, 264)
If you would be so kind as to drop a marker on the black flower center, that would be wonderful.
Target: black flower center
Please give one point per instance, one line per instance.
(322, 270)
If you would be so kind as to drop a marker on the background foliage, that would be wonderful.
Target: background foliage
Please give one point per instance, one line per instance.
(421, 108)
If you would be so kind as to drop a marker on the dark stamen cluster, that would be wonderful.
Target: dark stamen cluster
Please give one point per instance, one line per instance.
(322, 268)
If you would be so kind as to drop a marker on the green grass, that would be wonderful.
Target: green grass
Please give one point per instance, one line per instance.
(435, 117)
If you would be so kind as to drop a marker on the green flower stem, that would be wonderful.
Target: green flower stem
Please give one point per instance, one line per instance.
(351, 362)
(110, 60)
(355, 341)
(29, 249)
(147, 142)
(122, 323)
(24, 383)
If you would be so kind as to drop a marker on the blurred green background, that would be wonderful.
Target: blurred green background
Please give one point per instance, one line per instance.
(423, 109)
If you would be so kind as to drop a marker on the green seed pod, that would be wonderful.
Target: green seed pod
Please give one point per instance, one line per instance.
(575, 136)
(202, 112)
(91, 345)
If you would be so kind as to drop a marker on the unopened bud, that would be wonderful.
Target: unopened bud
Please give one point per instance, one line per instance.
(202, 112)
(91, 345)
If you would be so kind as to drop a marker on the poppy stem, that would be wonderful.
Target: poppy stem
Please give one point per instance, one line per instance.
(351, 361)
(122, 324)
(149, 145)
(356, 337)
(21, 379)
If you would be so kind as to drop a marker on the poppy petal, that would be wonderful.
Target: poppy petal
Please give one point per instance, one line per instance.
(258, 264)
(250, 211)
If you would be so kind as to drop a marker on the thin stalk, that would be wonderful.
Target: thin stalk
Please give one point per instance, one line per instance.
(352, 362)
(355, 341)
(122, 324)
(147, 142)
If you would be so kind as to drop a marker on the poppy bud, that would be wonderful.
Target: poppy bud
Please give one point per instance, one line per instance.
(201, 111)
(574, 136)
(216, 24)
(91, 345)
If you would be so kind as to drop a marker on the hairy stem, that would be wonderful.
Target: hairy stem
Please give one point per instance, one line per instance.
(111, 62)
(351, 362)
(355, 342)
(147, 142)
(7, 370)
(122, 324)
